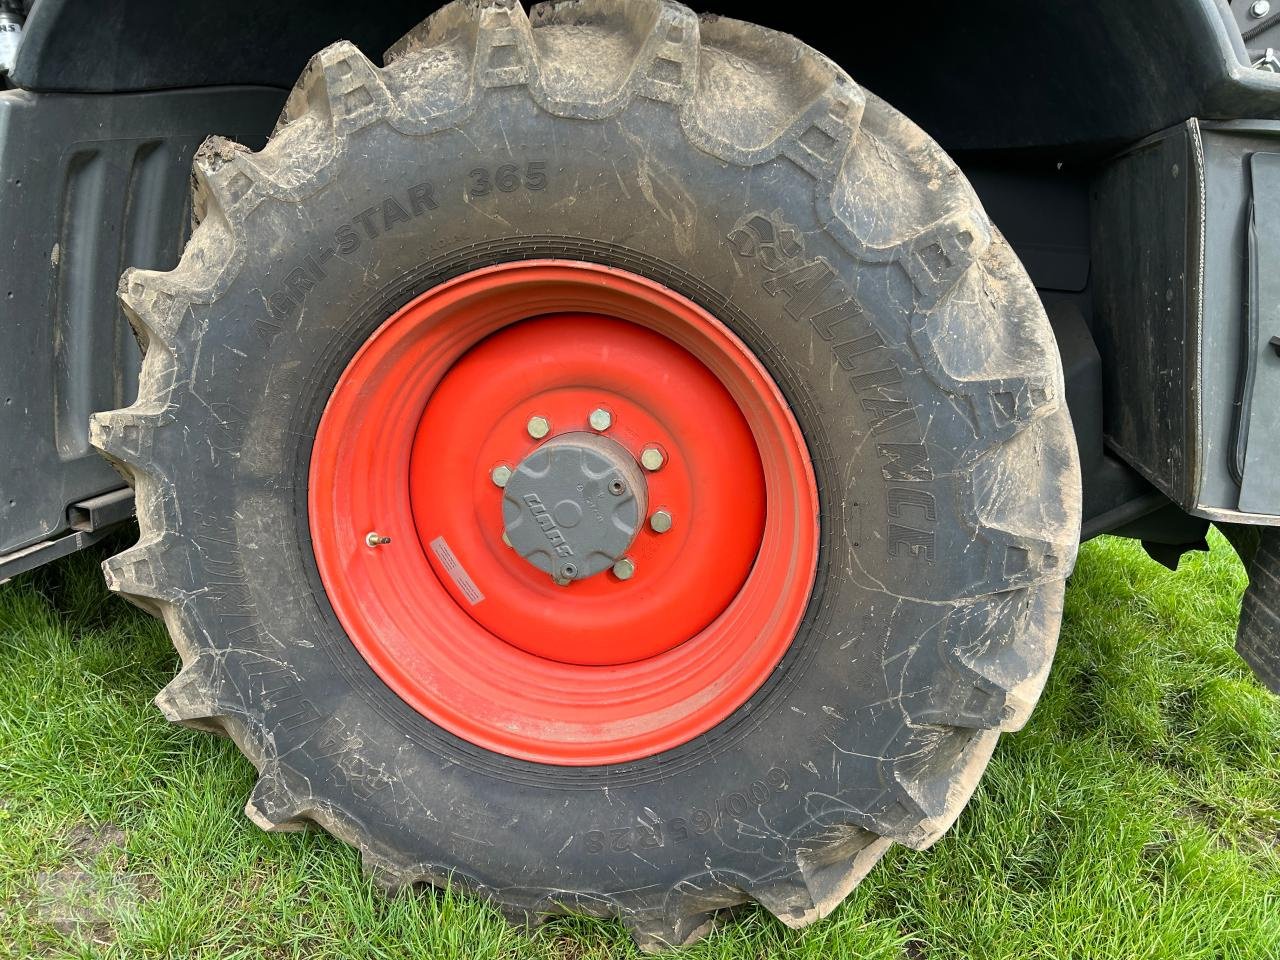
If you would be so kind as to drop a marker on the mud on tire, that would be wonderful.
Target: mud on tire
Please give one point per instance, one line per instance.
(747, 172)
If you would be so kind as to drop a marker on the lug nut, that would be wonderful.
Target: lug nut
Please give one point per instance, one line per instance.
(660, 521)
(375, 539)
(1260, 9)
(505, 538)
(624, 569)
(600, 419)
(500, 475)
(652, 458)
(538, 427)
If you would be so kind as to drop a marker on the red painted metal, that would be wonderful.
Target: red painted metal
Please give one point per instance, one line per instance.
(562, 367)
(474, 637)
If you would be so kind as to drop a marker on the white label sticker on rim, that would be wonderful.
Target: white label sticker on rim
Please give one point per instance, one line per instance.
(452, 567)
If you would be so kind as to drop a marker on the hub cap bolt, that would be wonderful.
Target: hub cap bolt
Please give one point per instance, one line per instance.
(500, 475)
(660, 522)
(538, 427)
(375, 539)
(624, 569)
(652, 458)
(600, 419)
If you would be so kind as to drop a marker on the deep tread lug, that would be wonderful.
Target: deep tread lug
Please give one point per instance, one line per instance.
(1002, 407)
(153, 310)
(127, 436)
(825, 876)
(273, 808)
(1015, 561)
(825, 105)
(526, 921)
(936, 796)
(495, 34)
(658, 934)
(818, 142)
(942, 253)
(387, 876)
(977, 703)
(1258, 635)
(666, 69)
(189, 699)
(664, 59)
(138, 575)
(504, 52)
(223, 182)
(344, 87)
(831, 877)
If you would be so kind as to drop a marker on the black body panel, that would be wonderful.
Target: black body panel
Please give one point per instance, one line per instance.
(980, 75)
(91, 184)
(164, 44)
(1186, 243)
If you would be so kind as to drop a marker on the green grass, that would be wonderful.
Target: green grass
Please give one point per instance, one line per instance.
(1138, 815)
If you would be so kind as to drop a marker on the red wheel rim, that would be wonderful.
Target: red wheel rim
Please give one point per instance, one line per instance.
(472, 635)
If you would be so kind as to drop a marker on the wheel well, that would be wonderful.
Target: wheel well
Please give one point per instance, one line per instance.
(981, 75)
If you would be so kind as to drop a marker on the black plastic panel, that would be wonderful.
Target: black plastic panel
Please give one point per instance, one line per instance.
(89, 45)
(1146, 251)
(1190, 384)
(1259, 429)
(88, 186)
(978, 75)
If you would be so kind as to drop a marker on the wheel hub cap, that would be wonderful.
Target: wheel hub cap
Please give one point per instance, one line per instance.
(574, 505)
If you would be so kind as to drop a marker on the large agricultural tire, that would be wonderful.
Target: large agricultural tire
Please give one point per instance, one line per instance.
(1258, 634)
(735, 178)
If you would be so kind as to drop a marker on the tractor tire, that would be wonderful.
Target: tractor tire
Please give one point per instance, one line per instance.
(1258, 634)
(893, 377)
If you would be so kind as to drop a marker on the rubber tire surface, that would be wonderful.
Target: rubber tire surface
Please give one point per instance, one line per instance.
(1258, 635)
(747, 172)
